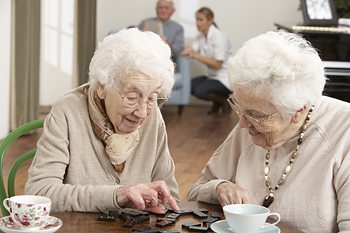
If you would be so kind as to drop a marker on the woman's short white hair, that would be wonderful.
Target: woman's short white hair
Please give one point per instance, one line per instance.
(130, 52)
(281, 67)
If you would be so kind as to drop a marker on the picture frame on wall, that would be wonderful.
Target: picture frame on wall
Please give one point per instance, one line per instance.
(319, 12)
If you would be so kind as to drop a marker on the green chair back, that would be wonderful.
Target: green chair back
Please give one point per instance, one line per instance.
(8, 140)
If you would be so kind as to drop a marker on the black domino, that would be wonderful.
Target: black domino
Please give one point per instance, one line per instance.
(199, 214)
(198, 229)
(189, 224)
(106, 219)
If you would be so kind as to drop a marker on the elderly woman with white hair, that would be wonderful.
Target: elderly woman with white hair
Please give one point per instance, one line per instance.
(290, 150)
(104, 145)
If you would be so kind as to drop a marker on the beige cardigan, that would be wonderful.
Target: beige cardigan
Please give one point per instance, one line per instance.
(316, 195)
(72, 168)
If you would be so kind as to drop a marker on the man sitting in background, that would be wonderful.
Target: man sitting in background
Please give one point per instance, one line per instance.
(171, 31)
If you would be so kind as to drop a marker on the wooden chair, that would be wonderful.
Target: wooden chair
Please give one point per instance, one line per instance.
(8, 140)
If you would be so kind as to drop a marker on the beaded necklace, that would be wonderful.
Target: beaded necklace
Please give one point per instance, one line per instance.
(270, 197)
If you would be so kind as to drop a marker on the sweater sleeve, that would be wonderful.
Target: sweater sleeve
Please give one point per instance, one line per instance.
(164, 168)
(46, 175)
(342, 187)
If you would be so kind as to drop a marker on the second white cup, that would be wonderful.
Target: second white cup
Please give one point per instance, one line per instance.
(248, 218)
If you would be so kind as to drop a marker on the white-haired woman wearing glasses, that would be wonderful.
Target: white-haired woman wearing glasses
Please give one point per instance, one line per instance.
(104, 144)
(290, 151)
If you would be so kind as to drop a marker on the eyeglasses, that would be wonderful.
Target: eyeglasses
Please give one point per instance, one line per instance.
(132, 100)
(264, 120)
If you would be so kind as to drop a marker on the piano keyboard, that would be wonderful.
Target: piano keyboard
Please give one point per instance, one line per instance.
(321, 29)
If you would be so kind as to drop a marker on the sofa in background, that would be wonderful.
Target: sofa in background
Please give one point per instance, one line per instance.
(182, 88)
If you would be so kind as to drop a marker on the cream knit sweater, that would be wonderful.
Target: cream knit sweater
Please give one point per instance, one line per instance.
(72, 168)
(316, 195)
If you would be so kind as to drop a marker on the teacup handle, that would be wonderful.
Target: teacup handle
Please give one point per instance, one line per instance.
(5, 204)
(274, 223)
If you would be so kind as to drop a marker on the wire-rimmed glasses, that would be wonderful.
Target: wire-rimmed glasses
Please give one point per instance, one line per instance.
(264, 120)
(133, 101)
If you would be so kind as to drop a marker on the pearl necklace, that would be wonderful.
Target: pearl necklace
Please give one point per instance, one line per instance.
(270, 197)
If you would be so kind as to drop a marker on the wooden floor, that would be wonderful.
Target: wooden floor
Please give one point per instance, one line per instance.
(193, 137)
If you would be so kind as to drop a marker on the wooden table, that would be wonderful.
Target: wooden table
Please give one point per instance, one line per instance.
(76, 222)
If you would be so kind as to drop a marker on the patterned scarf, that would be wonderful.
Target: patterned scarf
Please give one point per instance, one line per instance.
(118, 146)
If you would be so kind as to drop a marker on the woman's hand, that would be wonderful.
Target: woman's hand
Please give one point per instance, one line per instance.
(188, 52)
(150, 197)
(230, 193)
(212, 63)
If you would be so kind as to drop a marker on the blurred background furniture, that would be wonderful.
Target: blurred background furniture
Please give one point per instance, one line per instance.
(338, 84)
(333, 46)
(182, 88)
(5, 144)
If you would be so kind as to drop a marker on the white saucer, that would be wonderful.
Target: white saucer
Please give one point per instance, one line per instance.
(8, 226)
(223, 227)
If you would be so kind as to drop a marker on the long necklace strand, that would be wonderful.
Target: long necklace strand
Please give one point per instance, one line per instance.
(270, 197)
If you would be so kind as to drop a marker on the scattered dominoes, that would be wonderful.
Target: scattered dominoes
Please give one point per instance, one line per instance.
(134, 218)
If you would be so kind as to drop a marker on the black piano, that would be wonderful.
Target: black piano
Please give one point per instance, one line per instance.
(333, 45)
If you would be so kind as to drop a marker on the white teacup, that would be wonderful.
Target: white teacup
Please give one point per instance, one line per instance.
(28, 211)
(248, 218)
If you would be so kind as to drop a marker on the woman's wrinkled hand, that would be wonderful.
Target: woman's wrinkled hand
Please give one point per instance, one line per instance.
(230, 193)
(149, 196)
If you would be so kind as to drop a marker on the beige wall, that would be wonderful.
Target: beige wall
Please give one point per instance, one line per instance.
(239, 19)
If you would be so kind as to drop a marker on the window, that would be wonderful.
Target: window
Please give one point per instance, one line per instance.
(58, 24)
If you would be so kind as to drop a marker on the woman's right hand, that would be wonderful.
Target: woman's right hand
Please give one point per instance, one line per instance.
(150, 197)
(230, 193)
(188, 52)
